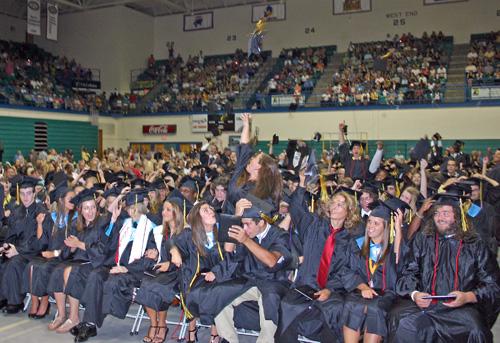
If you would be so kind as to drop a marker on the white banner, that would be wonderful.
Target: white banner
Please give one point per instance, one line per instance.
(200, 21)
(33, 17)
(285, 100)
(52, 17)
(485, 93)
(199, 123)
(279, 12)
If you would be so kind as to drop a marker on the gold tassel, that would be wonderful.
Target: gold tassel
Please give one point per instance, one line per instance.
(462, 214)
(17, 194)
(481, 192)
(411, 216)
(184, 212)
(392, 232)
(312, 205)
(398, 190)
(324, 192)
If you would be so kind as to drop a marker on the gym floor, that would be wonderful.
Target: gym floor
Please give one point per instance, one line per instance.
(19, 328)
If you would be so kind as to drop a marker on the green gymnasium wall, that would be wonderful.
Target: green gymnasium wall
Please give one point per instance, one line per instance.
(391, 147)
(19, 134)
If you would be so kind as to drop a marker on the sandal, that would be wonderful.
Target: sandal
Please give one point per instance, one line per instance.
(158, 338)
(195, 336)
(66, 327)
(57, 322)
(148, 338)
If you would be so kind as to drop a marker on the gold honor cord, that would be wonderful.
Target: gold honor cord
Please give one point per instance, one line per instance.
(462, 215)
(189, 315)
(392, 232)
(373, 267)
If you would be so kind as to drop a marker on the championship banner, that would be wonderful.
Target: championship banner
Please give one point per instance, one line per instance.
(52, 17)
(33, 17)
(86, 84)
(200, 21)
(199, 123)
(279, 12)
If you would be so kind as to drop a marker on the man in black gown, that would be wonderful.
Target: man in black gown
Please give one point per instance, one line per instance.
(264, 255)
(28, 235)
(447, 258)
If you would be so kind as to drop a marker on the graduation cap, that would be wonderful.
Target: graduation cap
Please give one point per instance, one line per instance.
(212, 174)
(190, 184)
(260, 209)
(60, 178)
(347, 190)
(381, 211)
(317, 137)
(85, 195)
(453, 197)
(421, 149)
(138, 182)
(60, 191)
(99, 187)
(172, 175)
(185, 205)
(158, 184)
(288, 175)
(331, 177)
(358, 143)
(225, 222)
(90, 173)
(394, 204)
(135, 196)
(113, 191)
(371, 187)
(28, 182)
(178, 201)
(276, 140)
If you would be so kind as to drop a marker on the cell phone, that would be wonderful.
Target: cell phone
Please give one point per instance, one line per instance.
(345, 129)
(308, 293)
(440, 297)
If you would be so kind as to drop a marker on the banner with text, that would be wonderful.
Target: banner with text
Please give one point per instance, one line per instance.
(52, 18)
(159, 130)
(285, 100)
(485, 93)
(33, 17)
(199, 123)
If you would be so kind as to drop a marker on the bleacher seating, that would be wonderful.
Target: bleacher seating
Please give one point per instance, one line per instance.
(483, 60)
(405, 69)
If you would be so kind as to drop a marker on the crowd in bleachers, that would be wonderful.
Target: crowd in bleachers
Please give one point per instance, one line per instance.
(300, 71)
(192, 85)
(483, 59)
(405, 69)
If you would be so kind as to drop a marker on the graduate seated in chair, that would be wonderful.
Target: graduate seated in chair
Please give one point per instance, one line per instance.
(447, 259)
(135, 250)
(27, 237)
(158, 289)
(314, 304)
(371, 274)
(263, 255)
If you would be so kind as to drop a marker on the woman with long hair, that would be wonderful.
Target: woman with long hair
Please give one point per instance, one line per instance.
(255, 173)
(325, 238)
(37, 272)
(203, 266)
(370, 276)
(158, 290)
(80, 254)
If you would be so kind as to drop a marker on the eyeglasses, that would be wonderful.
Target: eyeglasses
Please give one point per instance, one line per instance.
(445, 214)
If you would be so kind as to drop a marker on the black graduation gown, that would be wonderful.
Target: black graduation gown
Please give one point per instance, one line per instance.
(81, 261)
(37, 272)
(355, 169)
(197, 294)
(22, 234)
(244, 153)
(118, 289)
(112, 294)
(158, 290)
(271, 282)
(300, 315)
(374, 318)
(477, 272)
(485, 223)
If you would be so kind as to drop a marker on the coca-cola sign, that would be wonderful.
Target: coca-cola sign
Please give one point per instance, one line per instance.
(159, 130)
